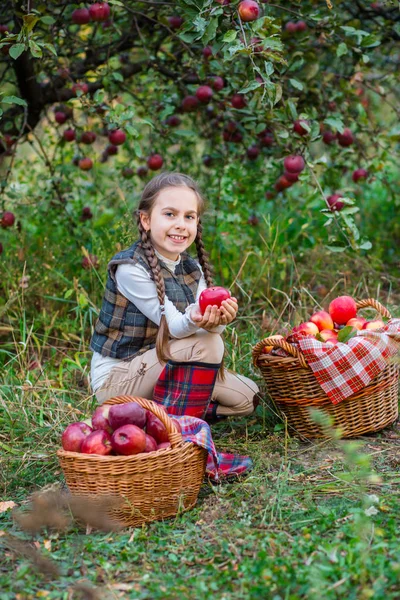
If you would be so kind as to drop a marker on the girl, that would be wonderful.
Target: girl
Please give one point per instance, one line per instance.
(150, 339)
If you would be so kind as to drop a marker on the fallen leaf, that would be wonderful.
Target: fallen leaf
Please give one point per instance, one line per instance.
(47, 544)
(6, 505)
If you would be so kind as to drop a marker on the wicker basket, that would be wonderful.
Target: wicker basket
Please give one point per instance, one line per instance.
(147, 487)
(295, 390)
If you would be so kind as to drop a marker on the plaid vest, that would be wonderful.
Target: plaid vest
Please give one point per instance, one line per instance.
(121, 330)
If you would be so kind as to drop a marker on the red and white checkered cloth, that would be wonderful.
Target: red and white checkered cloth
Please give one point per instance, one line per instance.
(344, 369)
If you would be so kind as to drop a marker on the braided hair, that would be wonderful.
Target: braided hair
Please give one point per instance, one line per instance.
(146, 204)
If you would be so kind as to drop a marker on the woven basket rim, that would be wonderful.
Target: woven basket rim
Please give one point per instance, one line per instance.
(141, 456)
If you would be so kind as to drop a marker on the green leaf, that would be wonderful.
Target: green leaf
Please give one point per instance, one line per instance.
(30, 22)
(365, 245)
(336, 248)
(350, 210)
(296, 84)
(230, 35)
(13, 100)
(117, 76)
(253, 85)
(210, 31)
(278, 93)
(35, 49)
(292, 109)
(49, 47)
(336, 123)
(346, 334)
(47, 20)
(16, 50)
(342, 49)
(138, 149)
(188, 37)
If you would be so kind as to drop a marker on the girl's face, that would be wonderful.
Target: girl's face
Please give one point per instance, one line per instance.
(173, 221)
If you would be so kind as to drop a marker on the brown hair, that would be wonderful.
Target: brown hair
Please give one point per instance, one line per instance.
(146, 204)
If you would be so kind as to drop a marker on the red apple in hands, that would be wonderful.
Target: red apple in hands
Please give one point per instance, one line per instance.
(374, 325)
(342, 309)
(130, 413)
(129, 439)
(356, 322)
(97, 442)
(73, 436)
(156, 429)
(213, 296)
(100, 418)
(322, 320)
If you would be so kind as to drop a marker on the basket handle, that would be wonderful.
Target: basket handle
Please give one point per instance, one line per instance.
(371, 302)
(278, 343)
(174, 435)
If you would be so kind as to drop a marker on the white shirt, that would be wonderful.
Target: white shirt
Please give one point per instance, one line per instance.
(134, 282)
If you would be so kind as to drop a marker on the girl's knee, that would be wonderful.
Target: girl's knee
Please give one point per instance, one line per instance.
(209, 347)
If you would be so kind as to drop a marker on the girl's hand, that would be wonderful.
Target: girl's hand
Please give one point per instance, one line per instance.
(228, 311)
(211, 318)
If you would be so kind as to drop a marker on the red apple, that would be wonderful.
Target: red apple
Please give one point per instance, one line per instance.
(73, 436)
(85, 164)
(100, 418)
(80, 87)
(334, 202)
(129, 413)
(117, 137)
(328, 334)
(99, 11)
(217, 83)
(128, 439)
(307, 327)
(290, 27)
(164, 446)
(322, 320)
(111, 150)
(175, 22)
(238, 101)
(80, 16)
(301, 26)
(88, 137)
(204, 93)
(190, 103)
(97, 442)
(69, 135)
(282, 184)
(142, 171)
(7, 219)
(342, 309)
(213, 296)
(90, 262)
(60, 117)
(292, 177)
(155, 162)
(86, 213)
(207, 52)
(374, 325)
(156, 428)
(173, 121)
(298, 127)
(359, 174)
(294, 163)
(356, 322)
(151, 444)
(253, 152)
(249, 10)
(346, 138)
(328, 137)
(127, 172)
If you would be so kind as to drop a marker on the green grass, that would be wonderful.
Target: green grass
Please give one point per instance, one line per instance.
(312, 521)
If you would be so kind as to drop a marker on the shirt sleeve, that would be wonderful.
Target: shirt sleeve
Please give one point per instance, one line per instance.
(134, 282)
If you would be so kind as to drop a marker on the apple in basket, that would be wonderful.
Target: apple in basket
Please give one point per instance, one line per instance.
(73, 436)
(128, 439)
(342, 309)
(213, 296)
(308, 328)
(151, 444)
(130, 413)
(100, 418)
(356, 322)
(322, 320)
(164, 446)
(156, 429)
(97, 442)
(374, 325)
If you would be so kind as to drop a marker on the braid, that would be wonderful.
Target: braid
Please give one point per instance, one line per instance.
(203, 256)
(163, 332)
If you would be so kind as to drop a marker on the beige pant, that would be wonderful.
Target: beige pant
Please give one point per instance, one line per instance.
(139, 376)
